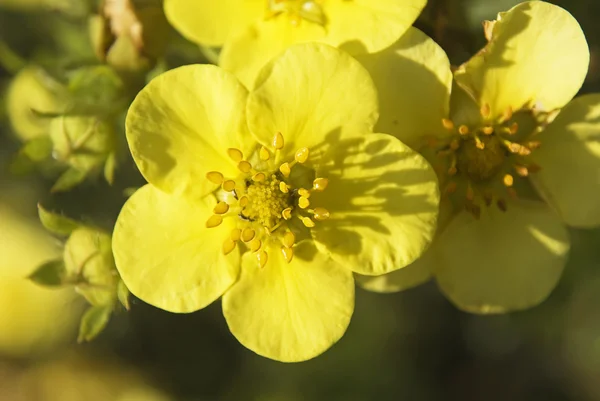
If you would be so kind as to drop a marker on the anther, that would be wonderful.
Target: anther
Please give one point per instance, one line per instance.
(488, 130)
(221, 208)
(447, 123)
(508, 180)
(287, 213)
(521, 170)
(303, 202)
(304, 192)
(288, 253)
(215, 177)
(255, 244)
(485, 111)
(301, 155)
(244, 166)
(288, 239)
(243, 201)
(513, 129)
(478, 143)
(319, 184)
(214, 221)
(283, 187)
(235, 235)
(278, 141)
(455, 144)
(307, 222)
(228, 246)
(285, 169)
(248, 234)
(463, 130)
(534, 144)
(450, 187)
(259, 177)
(228, 185)
(321, 214)
(235, 154)
(264, 154)
(262, 257)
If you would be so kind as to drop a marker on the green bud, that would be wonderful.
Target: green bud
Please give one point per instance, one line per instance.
(94, 320)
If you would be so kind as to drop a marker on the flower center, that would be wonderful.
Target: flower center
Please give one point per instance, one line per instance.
(298, 10)
(487, 157)
(263, 200)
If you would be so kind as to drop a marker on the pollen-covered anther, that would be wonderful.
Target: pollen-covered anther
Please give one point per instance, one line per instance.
(479, 143)
(283, 187)
(307, 222)
(448, 124)
(288, 253)
(228, 246)
(533, 144)
(215, 177)
(285, 169)
(244, 166)
(485, 110)
(214, 221)
(301, 155)
(508, 180)
(221, 208)
(264, 154)
(243, 201)
(259, 177)
(304, 192)
(288, 239)
(488, 130)
(278, 141)
(513, 129)
(321, 213)
(255, 244)
(320, 184)
(228, 185)
(463, 130)
(235, 154)
(248, 234)
(522, 171)
(303, 202)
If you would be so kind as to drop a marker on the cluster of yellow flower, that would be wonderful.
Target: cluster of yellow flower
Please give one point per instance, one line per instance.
(323, 148)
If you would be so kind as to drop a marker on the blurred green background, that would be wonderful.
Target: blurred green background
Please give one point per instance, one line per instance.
(408, 346)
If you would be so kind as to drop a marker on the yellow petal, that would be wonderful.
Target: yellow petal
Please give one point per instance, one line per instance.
(312, 94)
(181, 124)
(537, 57)
(293, 311)
(211, 22)
(570, 161)
(504, 261)
(246, 53)
(165, 254)
(383, 203)
(413, 79)
(361, 26)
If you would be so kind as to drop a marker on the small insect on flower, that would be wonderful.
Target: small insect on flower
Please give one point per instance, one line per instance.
(270, 199)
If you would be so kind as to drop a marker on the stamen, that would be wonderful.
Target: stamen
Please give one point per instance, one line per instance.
(513, 129)
(221, 208)
(228, 246)
(463, 130)
(287, 213)
(214, 221)
(307, 222)
(228, 185)
(304, 192)
(244, 166)
(533, 144)
(303, 202)
(288, 253)
(319, 184)
(485, 111)
(288, 239)
(283, 187)
(321, 214)
(278, 141)
(508, 180)
(248, 234)
(479, 143)
(243, 201)
(488, 130)
(215, 177)
(285, 169)
(259, 177)
(236, 233)
(450, 187)
(235, 154)
(255, 244)
(301, 155)
(262, 257)
(508, 113)
(448, 124)
(452, 170)
(521, 170)
(470, 193)
(264, 154)
(455, 144)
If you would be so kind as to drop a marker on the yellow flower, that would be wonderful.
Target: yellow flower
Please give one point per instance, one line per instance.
(271, 199)
(254, 31)
(518, 171)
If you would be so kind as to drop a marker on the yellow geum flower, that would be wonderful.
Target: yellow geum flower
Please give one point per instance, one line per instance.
(492, 136)
(252, 32)
(270, 199)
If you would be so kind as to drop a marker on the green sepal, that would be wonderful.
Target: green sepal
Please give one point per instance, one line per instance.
(109, 167)
(56, 223)
(94, 320)
(69, 179)
(50, 274)
(37, 149)
(123, 294)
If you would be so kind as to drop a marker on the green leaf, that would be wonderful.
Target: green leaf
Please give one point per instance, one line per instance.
(37, 149)
(94, 320)
(109, 167)
(68, 180)
(56, 223)
(123, 294)
(50, 274)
